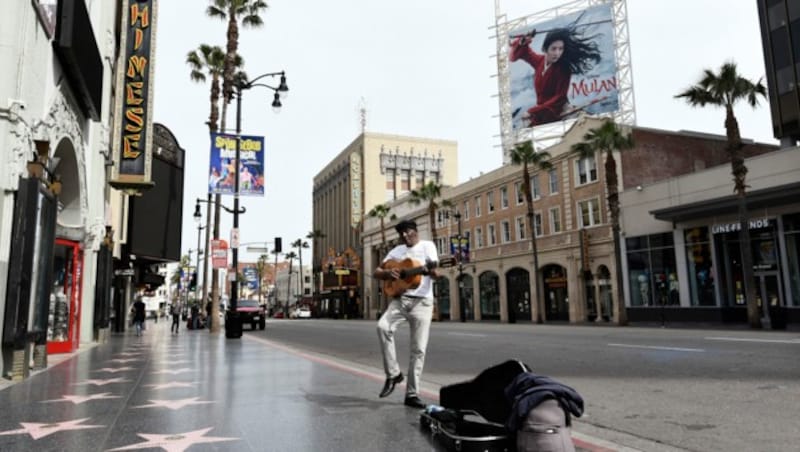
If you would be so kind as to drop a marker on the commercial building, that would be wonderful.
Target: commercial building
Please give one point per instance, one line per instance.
(372, 170)
(573, 231)
(74, 250)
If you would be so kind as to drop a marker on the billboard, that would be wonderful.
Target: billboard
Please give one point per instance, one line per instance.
(222, 162)
(563, 66)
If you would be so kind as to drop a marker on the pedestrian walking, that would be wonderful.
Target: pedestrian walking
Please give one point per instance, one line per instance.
(407, 271)
(195, 316)
(176, 318)
(138, 315)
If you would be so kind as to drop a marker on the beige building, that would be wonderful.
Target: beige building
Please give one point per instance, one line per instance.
(374, 169)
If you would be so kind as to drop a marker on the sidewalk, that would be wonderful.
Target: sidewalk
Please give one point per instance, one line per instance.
(204, 392)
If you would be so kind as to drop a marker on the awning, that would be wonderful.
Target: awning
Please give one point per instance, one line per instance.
(727, 205)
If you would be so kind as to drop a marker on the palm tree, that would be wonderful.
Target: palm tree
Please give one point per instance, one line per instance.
(211, 60)
(231, 10)
(249, 12)
(381, 211)
(300, 244)
(724, 89)
(524, 154)
(261, 266)
(606, 139)
(290, 255)
(316, 259)
(430, 192)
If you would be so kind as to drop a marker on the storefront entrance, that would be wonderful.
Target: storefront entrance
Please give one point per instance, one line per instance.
(63, 325)
(555, 292)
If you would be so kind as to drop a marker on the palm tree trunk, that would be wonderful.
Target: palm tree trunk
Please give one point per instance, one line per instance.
(215, 295)
(739, 171)
(612, 185)
(540, 317)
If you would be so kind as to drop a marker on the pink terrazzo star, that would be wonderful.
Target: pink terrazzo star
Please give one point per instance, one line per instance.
(78, 399)
(176, 442)
(103, 382)
(123, 360)
(39, 430)
(172, 384)
(174, 371)
(174, 404)
(114, 370)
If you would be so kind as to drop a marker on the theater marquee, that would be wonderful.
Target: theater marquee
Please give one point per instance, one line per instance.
(133, 113)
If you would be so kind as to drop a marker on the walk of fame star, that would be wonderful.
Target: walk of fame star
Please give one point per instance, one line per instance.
(101, 382)
(78, 399)
(114, 369)
(174, 371)
(172, 384)
(40, 430)
(176, 442)
(174, 404)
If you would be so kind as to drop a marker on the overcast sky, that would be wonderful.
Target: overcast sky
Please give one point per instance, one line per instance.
(425, 68)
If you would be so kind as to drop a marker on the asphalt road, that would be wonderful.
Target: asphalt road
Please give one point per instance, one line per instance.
(693, 389)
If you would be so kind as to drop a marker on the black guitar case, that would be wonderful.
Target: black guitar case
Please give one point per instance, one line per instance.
(475, 412)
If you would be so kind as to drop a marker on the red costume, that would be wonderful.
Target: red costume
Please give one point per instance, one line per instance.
(551, 85)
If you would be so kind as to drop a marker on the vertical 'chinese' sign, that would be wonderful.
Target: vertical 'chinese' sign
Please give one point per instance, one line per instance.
(133, 122)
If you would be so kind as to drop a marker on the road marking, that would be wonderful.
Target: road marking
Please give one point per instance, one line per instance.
(467, 334)
(742, 339)
(655, 347)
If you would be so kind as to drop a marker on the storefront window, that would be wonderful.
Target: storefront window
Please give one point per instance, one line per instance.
(490, 295)
(441, 289)
(699, 267)
(652, 271)
(58, 320)
(791, 226)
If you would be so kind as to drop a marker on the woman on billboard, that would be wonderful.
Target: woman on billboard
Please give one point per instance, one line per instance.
(565, 53)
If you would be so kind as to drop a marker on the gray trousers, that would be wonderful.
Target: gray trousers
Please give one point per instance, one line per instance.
(417, 312)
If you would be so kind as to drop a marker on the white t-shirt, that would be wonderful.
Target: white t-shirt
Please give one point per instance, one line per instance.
(424, 251)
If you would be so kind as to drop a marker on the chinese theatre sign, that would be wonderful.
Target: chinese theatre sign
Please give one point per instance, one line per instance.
(133, 113)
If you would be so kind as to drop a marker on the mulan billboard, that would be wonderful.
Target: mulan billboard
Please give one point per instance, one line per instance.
(562, 67)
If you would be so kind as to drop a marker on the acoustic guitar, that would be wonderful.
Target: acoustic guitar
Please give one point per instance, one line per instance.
(411, 272)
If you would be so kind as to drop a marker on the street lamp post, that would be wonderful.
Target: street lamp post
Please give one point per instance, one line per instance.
(198, 219)
(215, 301)
(460, 279)
(233, 324)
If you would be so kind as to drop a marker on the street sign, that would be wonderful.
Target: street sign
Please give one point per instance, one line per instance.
(124, 272)
(219, 254)
(235, 238)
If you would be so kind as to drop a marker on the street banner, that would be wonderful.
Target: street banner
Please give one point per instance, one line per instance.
(250, 278)
(223, 159)
(563, 66)
(459, 248)
(219, 254)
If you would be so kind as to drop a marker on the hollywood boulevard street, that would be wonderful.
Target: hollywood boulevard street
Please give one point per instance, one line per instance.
(689, 388)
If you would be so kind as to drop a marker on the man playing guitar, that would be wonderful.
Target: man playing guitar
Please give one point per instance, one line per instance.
(411, 300)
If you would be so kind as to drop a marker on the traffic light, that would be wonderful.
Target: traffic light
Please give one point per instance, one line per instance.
(278, 247)
(193, 281)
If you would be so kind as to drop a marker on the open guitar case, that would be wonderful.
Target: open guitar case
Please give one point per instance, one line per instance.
(474, 415)
(475, 412)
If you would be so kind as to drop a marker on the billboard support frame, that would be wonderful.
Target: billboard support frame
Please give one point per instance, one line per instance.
(548, 134)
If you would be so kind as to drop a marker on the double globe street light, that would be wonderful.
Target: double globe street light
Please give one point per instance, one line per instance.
(233, 323)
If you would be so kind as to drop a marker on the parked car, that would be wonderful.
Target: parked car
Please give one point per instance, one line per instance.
(251, 312)
(277, 315)
(304, 312)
